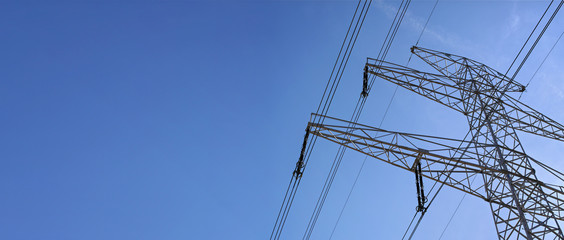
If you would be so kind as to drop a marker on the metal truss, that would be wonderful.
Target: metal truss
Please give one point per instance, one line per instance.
(522, 206)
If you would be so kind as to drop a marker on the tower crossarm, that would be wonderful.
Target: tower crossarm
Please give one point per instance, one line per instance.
(526, 119)
(433, 86)
(452, 65)
(442, 159)
(449, 92)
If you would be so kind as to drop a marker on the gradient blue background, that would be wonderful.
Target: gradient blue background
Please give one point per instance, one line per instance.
(184, 119)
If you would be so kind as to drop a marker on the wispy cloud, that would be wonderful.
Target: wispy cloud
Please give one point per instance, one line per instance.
(416, 23)
(514, 22)
(552, 77)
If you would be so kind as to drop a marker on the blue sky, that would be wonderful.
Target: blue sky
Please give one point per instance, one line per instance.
(184, 119)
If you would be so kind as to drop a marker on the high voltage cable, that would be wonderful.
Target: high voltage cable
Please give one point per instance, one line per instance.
(295, 180)
(336, 81)
(354, 118)
(422, 31)
(528, 38)
(348, 197)
(437, 192)
(455, 210)
(288, 198)
(380, 125)
(312, 221)
(329, 180)
(541, 64)
(552, 171)
(334, 166)
(356, 115)
(537, 40)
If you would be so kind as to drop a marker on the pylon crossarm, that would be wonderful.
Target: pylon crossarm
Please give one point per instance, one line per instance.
(432, 86)
(433, 165)
(452, 65)
(453, 166)
(526, 119)
(437, 88)
(445, 90)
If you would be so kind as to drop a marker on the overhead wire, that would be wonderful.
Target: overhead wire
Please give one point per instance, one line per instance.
(295, 180)
(548, 54)
(380, 125)
(335, 165)
(328, 101)
(528, 38)
(538, 38)
(423, 30)
(442, 184)
(455, 211)
(356, 114)
(549, 169)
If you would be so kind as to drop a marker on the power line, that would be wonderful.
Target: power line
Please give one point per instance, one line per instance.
(528, 38)
(380, 125)
(336, 163)
(455, 210)
(541, 64)
(356, 114)
(537, 40)
(296, 178)
(449, 172)
(346, 201)
(422, 31)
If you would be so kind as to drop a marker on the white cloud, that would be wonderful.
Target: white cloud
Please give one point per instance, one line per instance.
(416, 24)
(514, 21)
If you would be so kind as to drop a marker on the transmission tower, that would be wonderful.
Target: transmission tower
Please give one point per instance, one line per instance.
(522, 206)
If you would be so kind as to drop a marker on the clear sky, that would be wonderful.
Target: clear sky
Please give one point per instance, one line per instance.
(184, 119)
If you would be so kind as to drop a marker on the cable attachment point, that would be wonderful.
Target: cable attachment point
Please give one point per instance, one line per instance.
(364, 92)
(421, 199)
(298, 172)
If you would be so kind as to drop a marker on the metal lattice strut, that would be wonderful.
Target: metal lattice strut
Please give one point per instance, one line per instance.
(522, 206)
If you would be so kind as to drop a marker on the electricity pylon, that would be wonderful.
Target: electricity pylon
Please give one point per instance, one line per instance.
(522, 206)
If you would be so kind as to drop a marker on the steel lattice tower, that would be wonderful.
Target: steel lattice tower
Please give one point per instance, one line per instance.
(522, 206)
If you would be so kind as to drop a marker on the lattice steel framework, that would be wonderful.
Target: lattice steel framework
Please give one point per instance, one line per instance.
(522, 206)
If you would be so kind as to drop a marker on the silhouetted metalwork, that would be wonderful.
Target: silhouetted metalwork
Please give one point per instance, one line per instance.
(522, 206)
